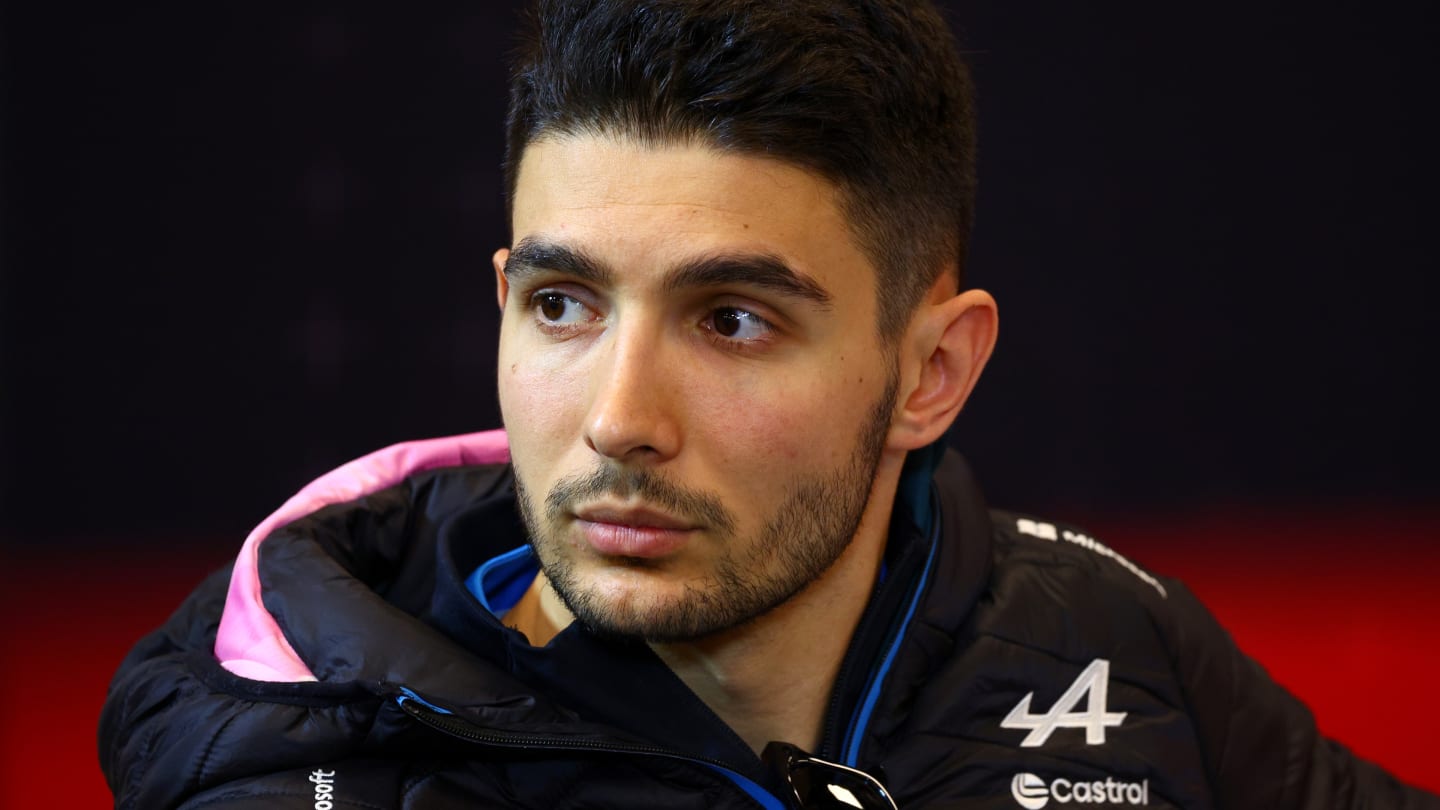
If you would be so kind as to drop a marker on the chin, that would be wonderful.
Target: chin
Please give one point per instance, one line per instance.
(656, 612)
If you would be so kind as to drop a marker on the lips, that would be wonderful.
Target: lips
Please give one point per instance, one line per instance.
(634, 532)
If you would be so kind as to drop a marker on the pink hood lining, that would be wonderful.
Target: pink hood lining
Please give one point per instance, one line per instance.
(249, 642)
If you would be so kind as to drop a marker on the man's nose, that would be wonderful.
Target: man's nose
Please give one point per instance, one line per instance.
(631, 416)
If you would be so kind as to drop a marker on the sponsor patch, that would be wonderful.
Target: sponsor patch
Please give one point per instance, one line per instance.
(1048, 531)
(1033, 793)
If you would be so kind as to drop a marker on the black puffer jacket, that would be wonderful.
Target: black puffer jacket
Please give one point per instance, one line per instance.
(1003, 662)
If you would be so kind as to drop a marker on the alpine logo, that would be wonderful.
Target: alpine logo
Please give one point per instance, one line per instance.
(1032, 793)
(1094, 680)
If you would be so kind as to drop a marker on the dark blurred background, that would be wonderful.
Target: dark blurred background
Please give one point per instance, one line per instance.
(239, 247)
(242, 246)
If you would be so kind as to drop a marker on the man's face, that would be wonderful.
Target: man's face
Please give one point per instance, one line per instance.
(691, 380)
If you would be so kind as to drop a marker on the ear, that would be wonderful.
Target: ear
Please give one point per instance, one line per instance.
(502, 284)
(944, 350)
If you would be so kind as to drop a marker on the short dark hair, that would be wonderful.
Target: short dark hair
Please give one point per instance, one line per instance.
(871, 95)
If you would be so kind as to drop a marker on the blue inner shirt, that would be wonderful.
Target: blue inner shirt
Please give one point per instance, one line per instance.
(501, 581)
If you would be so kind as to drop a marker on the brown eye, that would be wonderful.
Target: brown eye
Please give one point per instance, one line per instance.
(737, 325)
(552, 305)
(726, 322)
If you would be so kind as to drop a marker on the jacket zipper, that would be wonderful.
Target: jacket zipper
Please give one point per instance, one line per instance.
(832, 748)
(462, 729)
(833, 724)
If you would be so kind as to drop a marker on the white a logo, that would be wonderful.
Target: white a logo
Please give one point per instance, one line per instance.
(1095, 680)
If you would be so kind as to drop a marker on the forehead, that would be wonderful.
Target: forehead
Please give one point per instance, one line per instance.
(650, 206)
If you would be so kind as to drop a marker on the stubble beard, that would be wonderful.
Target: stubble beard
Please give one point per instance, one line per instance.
(802, 539)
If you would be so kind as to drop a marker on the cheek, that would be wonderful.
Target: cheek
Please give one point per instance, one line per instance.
(538, 404)
(780, 426)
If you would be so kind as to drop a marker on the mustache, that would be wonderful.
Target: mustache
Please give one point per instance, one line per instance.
(688, 504)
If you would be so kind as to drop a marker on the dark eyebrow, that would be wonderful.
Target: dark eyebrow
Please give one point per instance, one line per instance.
(762, 270)
(532, 256)
(751, 269)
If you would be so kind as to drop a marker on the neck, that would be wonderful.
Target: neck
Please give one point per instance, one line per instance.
(769, 678)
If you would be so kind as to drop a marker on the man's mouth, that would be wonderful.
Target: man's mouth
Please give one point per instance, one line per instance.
(632, 531)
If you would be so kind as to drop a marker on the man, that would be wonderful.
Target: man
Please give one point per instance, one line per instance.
(726, 564)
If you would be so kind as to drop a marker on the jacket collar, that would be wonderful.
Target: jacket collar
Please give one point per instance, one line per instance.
(955, 577)
(581, 686)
